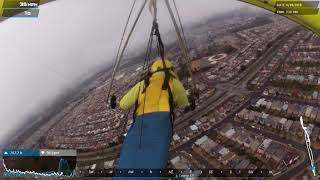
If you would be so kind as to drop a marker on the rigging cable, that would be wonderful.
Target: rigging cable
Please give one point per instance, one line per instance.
(145, 67)
(120, 56)
(180, 23)
(183, 46)
(125, 30)
(120, 53)
(183, 35)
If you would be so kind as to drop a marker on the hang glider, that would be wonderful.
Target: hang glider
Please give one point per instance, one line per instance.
(311, 22)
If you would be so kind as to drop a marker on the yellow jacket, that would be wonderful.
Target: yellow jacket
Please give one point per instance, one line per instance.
(154, 99)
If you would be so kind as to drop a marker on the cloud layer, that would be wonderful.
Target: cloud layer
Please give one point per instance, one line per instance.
(42, 57)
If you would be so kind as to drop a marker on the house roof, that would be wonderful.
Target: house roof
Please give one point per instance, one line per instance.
(201, 140)
(243, 164)
(283, 121)
(272, 148)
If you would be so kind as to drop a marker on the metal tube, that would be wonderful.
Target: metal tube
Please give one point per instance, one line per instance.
(124, 48)
(181, 43)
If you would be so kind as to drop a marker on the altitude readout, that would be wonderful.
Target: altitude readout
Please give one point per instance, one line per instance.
(14, 153)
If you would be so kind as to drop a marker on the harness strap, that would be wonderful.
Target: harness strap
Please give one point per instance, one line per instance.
(172, 114)
(135, 108)
(168, 76)
(146, 84)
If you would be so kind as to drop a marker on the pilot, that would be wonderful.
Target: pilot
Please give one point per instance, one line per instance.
(148, 140)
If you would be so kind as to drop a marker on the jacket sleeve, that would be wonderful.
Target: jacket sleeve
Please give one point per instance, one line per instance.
(179, 94)
(130, 98)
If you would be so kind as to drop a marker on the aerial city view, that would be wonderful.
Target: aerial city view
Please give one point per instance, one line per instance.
(258, 77)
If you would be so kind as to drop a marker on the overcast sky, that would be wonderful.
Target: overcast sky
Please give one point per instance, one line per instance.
(41, 57)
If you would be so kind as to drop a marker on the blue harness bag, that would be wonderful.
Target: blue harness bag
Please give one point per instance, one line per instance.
(146, 145)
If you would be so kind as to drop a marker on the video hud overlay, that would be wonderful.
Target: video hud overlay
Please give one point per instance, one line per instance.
(19, 8)
(39, 162)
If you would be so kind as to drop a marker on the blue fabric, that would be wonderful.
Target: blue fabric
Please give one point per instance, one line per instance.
(147, 144)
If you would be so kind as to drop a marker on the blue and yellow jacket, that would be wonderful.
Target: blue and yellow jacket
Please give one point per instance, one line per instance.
(154, 99)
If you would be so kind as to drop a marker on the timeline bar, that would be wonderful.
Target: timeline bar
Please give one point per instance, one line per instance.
(176, 173)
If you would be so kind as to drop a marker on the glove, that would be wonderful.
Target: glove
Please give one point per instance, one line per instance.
(113, 102)
(186, 110)
(192, 103)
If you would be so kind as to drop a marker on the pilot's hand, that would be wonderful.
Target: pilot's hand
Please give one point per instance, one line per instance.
(192, 101)
(192, 105)
(186, 110)
(113, 102)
